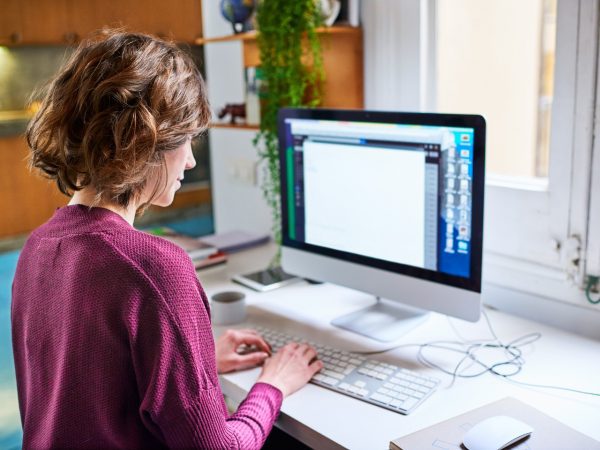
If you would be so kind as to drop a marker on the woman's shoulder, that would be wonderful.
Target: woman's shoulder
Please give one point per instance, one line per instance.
(167, 267)
(152, 253)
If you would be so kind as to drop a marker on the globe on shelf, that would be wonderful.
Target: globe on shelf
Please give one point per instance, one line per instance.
(237, 12)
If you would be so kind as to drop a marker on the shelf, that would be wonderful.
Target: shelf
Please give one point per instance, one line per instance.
(19, 114)
(342, 50)
(251, 35)
(239, 126)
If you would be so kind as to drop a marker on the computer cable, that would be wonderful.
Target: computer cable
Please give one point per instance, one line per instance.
(472, 365)
(591, 284)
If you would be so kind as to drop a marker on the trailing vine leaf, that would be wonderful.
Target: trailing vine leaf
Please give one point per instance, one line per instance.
(292, 67)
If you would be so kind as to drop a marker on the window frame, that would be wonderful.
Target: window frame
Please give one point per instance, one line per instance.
(538, 231)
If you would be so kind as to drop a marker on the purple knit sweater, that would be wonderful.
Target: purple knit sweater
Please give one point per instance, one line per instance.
(113, 345)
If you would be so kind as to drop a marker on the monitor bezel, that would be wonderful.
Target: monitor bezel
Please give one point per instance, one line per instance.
(476, 122)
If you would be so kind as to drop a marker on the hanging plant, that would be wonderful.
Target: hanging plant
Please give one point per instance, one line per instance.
(292, 72)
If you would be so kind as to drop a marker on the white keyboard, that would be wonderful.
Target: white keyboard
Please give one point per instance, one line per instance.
(386, 385)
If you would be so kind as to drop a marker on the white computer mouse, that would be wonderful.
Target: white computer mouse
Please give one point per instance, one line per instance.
(495, 433)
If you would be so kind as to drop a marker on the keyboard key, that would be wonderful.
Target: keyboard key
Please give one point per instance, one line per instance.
(354, 389)
(318, 377)
(331, 373)
(422, 389)
(348, 370)
(381, 398)
(410, 402)
(418, 395)
(396, 403)
(390, 392)
(330, 381)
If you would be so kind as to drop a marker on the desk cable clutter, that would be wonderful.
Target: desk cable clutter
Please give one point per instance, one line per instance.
(471, 365)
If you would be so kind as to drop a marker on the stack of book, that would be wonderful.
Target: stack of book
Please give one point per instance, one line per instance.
(235, 240)
(203, 255)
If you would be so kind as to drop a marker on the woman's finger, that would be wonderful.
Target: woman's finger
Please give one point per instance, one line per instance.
(250, 360)
(249, 330)
(310, 353)
(257, 341)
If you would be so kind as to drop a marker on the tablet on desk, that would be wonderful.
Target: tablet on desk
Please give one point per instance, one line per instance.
(266, 280)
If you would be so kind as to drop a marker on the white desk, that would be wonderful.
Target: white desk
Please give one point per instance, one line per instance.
(325, 419)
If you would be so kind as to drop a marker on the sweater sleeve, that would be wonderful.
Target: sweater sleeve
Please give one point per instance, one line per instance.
(174, 360)
(246, 429)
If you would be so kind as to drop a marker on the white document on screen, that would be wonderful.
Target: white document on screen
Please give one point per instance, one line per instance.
(351, 192)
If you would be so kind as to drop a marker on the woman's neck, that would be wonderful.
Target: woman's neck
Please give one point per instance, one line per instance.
(86, 197)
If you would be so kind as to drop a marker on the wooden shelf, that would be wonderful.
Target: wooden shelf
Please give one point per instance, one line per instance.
(65, 22)
(19, 114)
(342, 49)
(238, 126)
(229, 38)
(26, 199)
(251, 35)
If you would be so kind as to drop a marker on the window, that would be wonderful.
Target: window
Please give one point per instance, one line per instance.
(497, 58)
(538, 183)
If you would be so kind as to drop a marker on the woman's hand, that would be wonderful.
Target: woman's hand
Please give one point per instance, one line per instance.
(291, 368)
(227, 346)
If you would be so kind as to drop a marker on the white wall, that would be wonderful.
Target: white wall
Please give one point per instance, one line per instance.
(237, 202)
(392, 60)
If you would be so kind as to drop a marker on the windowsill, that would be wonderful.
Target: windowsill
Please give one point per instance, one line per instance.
(535, 184)
(539, 292)
(567, 316)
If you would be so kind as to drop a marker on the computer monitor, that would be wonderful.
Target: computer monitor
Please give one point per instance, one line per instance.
(388, 203)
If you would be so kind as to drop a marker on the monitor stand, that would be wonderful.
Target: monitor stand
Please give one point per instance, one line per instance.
(385, 321)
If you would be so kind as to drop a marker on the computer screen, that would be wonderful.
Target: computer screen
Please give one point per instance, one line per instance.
(400, 194)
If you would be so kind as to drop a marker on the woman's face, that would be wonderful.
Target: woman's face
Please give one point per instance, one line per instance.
(176, 161)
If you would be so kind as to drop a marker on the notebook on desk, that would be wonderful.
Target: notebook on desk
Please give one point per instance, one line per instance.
(548, 433)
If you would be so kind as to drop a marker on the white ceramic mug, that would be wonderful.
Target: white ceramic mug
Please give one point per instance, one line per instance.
(228, 307)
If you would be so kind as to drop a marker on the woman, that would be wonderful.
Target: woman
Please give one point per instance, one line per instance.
(111, 330)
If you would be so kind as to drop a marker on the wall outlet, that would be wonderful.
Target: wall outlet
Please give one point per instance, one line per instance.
(242, 170)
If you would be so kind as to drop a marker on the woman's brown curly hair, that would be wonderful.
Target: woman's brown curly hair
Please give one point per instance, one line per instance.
(119, 103)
